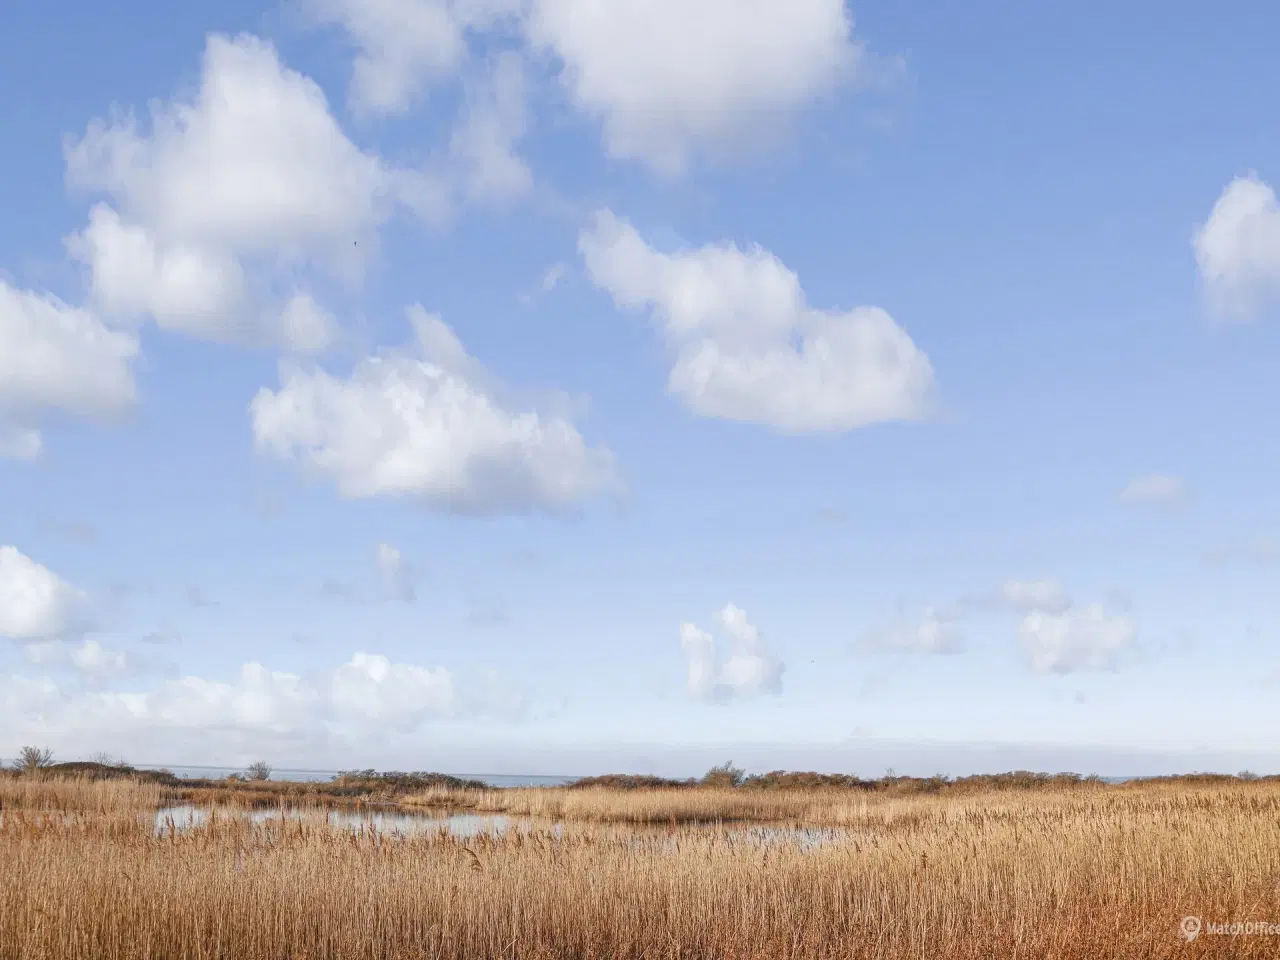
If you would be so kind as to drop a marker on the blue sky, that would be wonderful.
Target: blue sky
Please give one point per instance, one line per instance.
(520, 384)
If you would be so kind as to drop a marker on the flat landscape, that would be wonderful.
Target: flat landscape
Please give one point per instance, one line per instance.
(109, 866)
(613, 388)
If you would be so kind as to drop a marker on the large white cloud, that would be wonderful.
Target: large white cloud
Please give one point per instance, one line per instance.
(255, 161)
(748, 347)
(372, 689)
(423, 423)
(667, 79)
(671, 77)
(250, 177)
(749, 670)
(1238, 248)
(368, 696)
(55, 358)
(35, 603)
(194, 290)
(1084, 638)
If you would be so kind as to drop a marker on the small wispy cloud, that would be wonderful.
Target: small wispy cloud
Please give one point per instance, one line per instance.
(397, 575)
(1157, 488)
(162, 636)
(77, 531)
(1056, 634)
(198, 598)
(1261, 551)
(332, 589)
(550, 279)
(933, 631)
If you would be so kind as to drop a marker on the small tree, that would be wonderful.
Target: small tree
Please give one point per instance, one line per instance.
(258, 770)
(31, 759)
(725, 775)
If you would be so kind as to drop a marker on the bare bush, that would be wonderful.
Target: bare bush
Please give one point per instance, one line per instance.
(31, 759)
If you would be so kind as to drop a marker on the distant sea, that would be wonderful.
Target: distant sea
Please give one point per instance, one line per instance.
(321, 776)
(492, 779)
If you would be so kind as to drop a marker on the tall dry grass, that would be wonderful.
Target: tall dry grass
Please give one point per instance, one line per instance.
(52, 794)
(822, 807)
(1096, 874)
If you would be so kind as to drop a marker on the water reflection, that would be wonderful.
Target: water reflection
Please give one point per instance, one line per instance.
(383, 823)
(398, 823)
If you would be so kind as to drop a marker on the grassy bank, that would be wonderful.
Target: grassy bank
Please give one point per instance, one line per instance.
(809, 799)
(354, 788)
(1058, 872)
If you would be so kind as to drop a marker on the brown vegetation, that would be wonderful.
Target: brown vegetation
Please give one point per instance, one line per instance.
(1061, 872)
(48, 794)
(805, 798)
(351, 788)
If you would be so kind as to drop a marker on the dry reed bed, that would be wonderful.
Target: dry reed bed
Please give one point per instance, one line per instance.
(78, 794)
(809, 807)
(1092, 875)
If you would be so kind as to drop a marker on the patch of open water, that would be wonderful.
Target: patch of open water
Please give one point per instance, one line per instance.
(398, 824)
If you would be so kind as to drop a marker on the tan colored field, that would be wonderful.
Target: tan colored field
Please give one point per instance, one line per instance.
(711, 804)
(77, 794)
(1093, 873)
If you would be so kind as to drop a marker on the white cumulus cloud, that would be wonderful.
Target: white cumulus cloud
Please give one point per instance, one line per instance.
(362, 699)
(423, 423)
(249, 178)
(1085, 638)
(305, 325)
(750, 669)
(1238, 248)
(670, 78)
(666, 80)
(55, 358)
(372, 689)
(746, 344)
(35, 603)
(406, 46)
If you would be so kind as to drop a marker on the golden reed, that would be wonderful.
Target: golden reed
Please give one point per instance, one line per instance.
(1088, 874)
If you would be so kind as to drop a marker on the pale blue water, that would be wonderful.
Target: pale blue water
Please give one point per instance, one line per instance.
(321, 776)
(392, 825)
(492, 779)
(186, 816)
